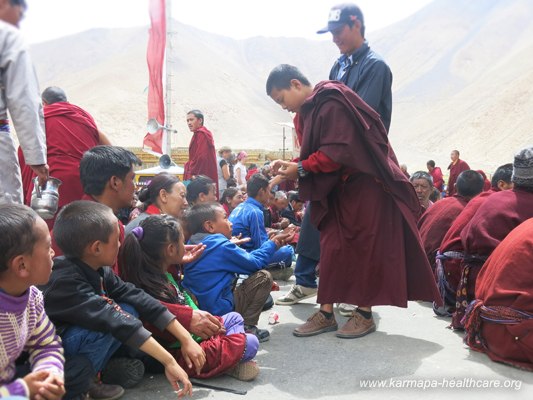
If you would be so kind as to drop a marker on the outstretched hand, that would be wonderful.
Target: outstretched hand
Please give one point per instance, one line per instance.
(286, 169)
(192, 252)
(238, 240)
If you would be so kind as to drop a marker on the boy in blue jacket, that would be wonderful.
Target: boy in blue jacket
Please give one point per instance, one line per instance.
(212, 278)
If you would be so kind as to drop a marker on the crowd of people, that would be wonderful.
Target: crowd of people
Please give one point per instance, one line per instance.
(177, 284)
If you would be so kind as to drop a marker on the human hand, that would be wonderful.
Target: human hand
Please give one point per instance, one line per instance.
(175, 374)
(192, 252)
(193, 354)
(284, 223)
(53, 388)
(41, 171)
(281, 239)
(205, 325)
(238, 240)
(35, 381)
(276, 165)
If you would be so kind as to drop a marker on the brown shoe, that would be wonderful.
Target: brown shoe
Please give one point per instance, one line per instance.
(315, 325)
(356, 326)
(102, 391)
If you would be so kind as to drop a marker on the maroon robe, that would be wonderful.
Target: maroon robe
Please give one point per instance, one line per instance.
(436, 221)
(202, 156)
(506, 280)
(438, 180)
(366, 211)
(455, 170)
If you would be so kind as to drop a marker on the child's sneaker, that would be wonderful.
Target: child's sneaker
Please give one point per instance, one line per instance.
(123, 371)
(262, 334)
(101, 391)
(245, 371)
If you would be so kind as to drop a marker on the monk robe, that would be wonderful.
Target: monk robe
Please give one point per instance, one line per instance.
(500, 321)
(202, 156)
(70, 132)
(455, 170)
(450, 254)
(499, 215)
(438, 180)
(436, 221)
(364, 207)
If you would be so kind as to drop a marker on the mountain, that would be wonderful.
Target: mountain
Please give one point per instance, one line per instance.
(463, 73)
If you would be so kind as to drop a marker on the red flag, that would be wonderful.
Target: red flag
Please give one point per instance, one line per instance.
(155, 56)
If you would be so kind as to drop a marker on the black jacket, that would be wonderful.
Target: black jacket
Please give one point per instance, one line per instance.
(78, 295)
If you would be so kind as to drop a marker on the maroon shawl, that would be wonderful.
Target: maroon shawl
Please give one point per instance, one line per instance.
(202, 156)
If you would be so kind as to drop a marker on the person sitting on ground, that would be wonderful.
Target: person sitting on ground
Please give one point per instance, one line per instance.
(492, 222)
(230, 199)
(165, 194)
(279, 203)
(451, 251)
(423, 184)
(248, 220)
(148, 259)
(90, 304)
(436, 174)
(212, 277)
(498, 322)
(25, 261)
(201, 189)
(436, 221)
(293, 211)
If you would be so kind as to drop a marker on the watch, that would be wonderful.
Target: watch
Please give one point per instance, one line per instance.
(302, 173)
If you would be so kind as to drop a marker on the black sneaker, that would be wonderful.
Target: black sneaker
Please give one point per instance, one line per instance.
(126, 372)
(262, 334)
(101, 391)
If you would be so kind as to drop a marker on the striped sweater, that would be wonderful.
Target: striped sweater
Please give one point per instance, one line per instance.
(24, 326)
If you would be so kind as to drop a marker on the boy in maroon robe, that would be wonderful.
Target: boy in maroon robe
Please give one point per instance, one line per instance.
(202, 153)
(500, 321)
(456, 167)
(362, 203)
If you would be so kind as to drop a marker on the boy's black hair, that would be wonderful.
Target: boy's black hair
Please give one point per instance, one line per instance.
(256, 183)
(53, 94)
(503, 173)
(18, 236)
(200, 184)
(469, 183)
(294, 196)
(282, 75)
(81, 223)
(200, 213)
(101, 163)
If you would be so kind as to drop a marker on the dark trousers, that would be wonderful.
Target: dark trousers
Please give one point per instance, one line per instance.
(250, 296)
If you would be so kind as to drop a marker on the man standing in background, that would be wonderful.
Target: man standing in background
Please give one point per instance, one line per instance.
(19, 94)
(456, 167)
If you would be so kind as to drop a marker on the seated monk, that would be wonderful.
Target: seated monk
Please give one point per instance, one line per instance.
(499, 322)
(499, 215)
(450, 254)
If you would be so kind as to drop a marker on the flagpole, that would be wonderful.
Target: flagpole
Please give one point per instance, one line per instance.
(168, 83)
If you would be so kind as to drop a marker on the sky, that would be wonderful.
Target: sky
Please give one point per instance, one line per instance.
(239, 19)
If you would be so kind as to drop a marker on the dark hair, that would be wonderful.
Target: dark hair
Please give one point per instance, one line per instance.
(198, 114)
(280, 78)
(200, 184)
(53, 94)
(422, 175)
(140, 260)
(502, 173)
(456, 151)
(256, 183)
(200, 213)
(21, 3)
(435, 195)
(17, 224)
(150, 193)
(228, 193)
(431, 163)
(80, 224)
(100, 163)
(293, 195)
(469, 183)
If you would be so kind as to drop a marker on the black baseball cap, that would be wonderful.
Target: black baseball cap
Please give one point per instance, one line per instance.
(342, 14)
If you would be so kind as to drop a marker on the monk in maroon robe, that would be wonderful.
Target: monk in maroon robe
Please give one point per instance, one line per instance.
(451, 251)
(500, 321)
(456, 167)
(362, 203)
(70, 132)
(202, 153)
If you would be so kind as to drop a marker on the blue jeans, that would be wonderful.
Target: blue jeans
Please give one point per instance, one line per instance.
(305, 271)
(98, 347)
(283, 254)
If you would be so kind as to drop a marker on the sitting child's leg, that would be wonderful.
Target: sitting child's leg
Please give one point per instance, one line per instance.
(251, 294)
(234, 324)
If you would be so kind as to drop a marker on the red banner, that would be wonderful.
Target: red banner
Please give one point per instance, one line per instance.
(155, 56)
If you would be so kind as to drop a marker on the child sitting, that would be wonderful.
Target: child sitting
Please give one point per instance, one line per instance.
(212, 277)
(148, 259)
(26, 260)
(96, 311)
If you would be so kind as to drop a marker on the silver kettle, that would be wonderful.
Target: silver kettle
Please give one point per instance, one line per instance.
(45, 199)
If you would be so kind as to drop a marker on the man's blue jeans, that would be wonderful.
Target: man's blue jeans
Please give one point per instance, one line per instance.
(98, 347)
(305, 271)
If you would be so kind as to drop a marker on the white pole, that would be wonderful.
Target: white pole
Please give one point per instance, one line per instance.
(168, 75)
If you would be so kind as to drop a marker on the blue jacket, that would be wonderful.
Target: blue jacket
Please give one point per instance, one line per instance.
(248, 218)
(211, 278)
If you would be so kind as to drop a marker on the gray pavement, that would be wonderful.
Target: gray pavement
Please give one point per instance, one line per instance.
(411, 348)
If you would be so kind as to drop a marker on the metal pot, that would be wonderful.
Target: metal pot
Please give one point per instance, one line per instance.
(45, 199)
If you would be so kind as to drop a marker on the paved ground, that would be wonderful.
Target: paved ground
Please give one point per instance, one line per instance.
(411, 348)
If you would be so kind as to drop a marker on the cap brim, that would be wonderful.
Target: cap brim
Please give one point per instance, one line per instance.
(331, 27)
